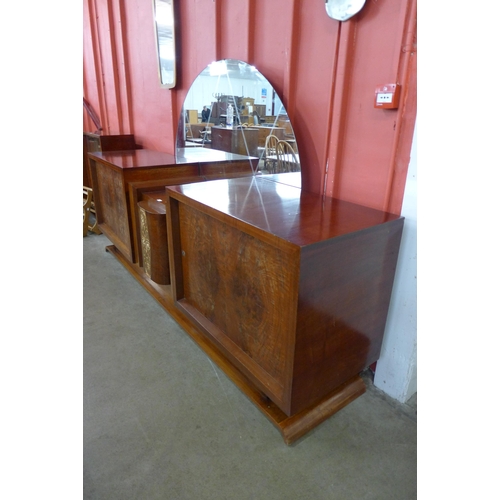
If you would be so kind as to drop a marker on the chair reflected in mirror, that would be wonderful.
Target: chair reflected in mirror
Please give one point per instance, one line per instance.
(287, 159)
(270, 158)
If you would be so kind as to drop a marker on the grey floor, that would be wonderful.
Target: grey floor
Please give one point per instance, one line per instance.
(161, 421)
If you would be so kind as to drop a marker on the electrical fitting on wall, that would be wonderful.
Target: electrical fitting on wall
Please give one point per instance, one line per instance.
(387, 96)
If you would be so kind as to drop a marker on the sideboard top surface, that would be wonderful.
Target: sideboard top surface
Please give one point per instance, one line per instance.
(147, 158)
(286, 211)
(137, 158)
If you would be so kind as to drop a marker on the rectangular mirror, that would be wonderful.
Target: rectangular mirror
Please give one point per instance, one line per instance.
(163, 11)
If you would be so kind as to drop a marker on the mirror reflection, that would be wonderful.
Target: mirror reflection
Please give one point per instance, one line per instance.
(232, 107)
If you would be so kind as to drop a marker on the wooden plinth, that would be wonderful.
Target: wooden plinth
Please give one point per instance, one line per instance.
(291, 427)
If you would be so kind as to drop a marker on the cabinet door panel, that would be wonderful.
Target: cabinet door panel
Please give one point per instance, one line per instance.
(245, 288)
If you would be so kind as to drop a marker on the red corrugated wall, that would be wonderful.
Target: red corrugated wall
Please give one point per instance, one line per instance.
(325, 72)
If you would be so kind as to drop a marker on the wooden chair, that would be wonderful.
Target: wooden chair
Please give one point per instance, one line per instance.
(287, 159)
(88, 209)
(270, 158)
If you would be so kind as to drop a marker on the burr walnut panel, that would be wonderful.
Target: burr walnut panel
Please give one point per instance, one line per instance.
(112, 208)
(241, 285)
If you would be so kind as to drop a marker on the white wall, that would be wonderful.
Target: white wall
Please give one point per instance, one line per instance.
(201, 92)
(396, 372)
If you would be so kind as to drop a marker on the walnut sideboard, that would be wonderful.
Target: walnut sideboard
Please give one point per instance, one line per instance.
(291, 288)
(117, 177)
(286, 291)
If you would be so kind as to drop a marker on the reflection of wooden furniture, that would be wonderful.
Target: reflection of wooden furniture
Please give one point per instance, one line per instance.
(284, 121)
(114, 172)
(287, 291)
(213, 164)
(194, 130)
(261, 110)
(246, 101)
(192, 115)
(95, 142)
(236, 140)
(293, 144)
(270, 158)
(286, 159)
(264, 132)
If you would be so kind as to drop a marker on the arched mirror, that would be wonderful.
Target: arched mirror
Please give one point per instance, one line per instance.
(232, 107)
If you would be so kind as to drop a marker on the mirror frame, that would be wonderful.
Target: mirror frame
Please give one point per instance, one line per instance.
(164, 25)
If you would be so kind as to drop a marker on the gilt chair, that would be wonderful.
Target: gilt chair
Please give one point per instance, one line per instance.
(89, 213)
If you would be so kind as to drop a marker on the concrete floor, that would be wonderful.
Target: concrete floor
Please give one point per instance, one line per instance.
(161, 421)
